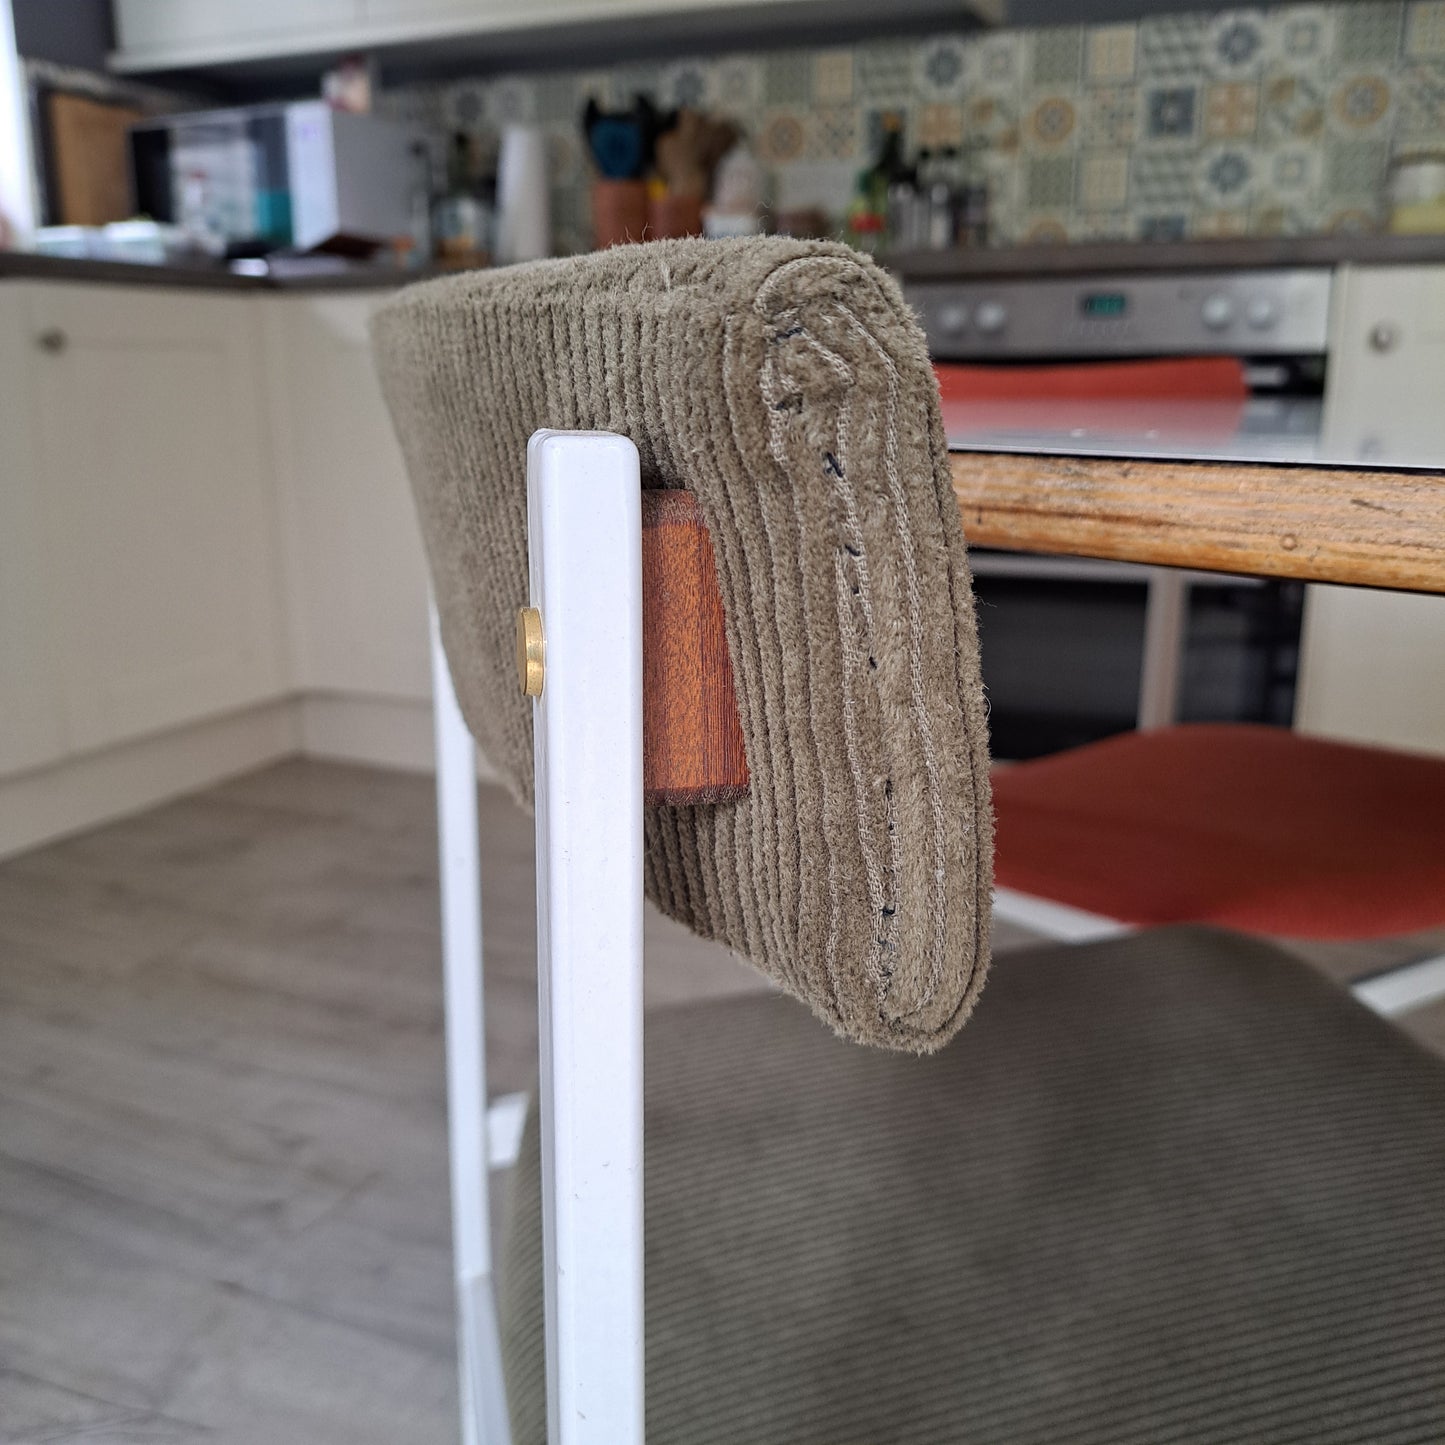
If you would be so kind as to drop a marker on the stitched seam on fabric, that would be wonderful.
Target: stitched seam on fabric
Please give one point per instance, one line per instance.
(776, 446)
(764, 820)
(918, 704)
(876, 897)
(915, 660)
(761, 834)
(853, 653)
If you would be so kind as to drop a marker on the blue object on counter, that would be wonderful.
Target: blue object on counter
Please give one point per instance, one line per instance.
(621, 140)
(618, 148)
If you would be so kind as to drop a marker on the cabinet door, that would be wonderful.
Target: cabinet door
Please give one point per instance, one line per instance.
(1372, 664)
(159, 521)
(356, 573)
(31, 726)
(1372, 668)
(1387, 355)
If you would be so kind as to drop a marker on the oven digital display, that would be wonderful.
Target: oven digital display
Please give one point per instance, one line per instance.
(1103, 303)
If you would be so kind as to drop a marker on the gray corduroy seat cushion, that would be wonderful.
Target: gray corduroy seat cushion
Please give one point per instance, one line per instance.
(789, 387)
(1174, 1188)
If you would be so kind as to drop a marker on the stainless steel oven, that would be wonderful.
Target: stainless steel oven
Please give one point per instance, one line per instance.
(1226, 364)
(1076, 649)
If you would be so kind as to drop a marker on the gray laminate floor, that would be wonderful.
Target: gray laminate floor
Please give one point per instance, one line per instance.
(223, 1193)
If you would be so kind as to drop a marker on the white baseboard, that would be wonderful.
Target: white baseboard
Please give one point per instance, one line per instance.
(84, 792)
(384, 732)
(95, 788)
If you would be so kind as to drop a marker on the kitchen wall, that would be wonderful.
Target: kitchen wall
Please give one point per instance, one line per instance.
(67, 32)
(1224, 123)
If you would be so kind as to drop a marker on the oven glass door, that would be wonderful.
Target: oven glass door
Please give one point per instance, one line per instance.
(1062, 643)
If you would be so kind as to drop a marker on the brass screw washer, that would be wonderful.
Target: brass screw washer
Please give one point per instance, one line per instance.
(531, 652)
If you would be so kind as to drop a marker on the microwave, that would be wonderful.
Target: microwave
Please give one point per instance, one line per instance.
(301, 176)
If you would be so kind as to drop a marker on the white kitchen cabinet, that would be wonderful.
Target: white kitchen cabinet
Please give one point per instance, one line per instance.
(156, 525)
(1383, 400)
(1372, 664)
(32, 727)
(356, 573)
(1372, 668)
(165, 34)
(153, 34)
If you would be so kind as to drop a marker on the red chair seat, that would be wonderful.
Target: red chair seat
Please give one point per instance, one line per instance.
(1252, 827)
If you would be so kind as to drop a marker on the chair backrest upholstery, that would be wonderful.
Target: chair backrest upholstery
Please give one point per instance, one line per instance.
(788, 386)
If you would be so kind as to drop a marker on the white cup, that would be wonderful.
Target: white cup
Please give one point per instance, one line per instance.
(524, 212)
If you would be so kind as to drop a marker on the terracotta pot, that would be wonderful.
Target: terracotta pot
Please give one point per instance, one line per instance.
(669, 216)
(619, 212)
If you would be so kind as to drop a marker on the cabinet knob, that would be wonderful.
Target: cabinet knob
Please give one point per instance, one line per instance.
(990, 317)
(1384, 335)
(53, 340)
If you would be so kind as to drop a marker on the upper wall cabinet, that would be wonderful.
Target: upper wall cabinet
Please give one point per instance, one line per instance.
(157, 35)
(164, 33)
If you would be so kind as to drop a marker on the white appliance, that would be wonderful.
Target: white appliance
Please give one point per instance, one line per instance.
(524, 218)
(1274, 321)
(1340, 347)
(1091, 363)
(300, 175)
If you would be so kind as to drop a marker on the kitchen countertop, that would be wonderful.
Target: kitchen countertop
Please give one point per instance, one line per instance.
(1256, 429)
(1102, 257)
(1009, 261)
(201, 275)
(1357, 525)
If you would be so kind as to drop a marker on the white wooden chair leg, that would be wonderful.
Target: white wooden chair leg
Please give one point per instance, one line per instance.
(585, 530)
(483, 1397)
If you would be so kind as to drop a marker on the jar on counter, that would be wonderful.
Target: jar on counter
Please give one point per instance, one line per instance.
(1417, 192)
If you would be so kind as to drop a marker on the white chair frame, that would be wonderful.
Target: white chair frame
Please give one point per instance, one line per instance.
(585, 547)
(585, 542)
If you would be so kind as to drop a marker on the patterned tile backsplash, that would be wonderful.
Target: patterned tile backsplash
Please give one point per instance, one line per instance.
(1225, 123)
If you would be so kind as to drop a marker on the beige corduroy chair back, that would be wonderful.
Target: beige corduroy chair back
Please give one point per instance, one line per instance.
(787, 385)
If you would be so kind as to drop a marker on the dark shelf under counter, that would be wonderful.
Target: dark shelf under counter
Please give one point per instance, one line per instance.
(201, 275)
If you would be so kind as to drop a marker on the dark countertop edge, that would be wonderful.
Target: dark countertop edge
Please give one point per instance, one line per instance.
(1045, 452)
(1082, 258)
(1103, 257)
(27, 265)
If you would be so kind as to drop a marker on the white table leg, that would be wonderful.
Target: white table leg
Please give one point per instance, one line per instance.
(483, 1397)
(585, 529)
(1166, 625)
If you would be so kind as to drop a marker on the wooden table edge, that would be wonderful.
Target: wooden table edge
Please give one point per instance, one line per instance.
(1379, 527)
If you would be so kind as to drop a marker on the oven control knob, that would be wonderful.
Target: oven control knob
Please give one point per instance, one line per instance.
(990, 317)
(953, 319)
(1217, 311)
(1261, 313)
